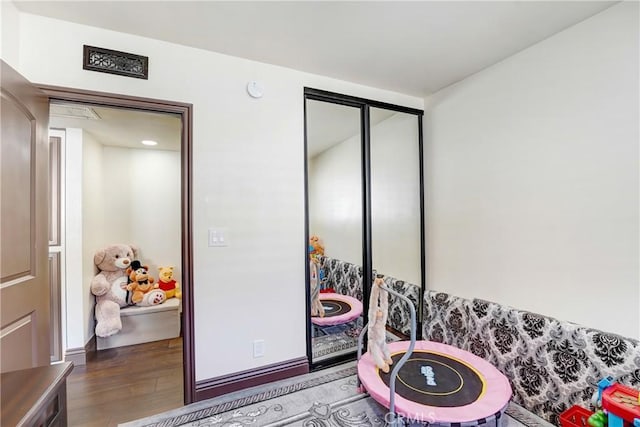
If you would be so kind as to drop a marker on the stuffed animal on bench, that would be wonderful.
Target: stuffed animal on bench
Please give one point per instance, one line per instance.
(170, 287)
(143, 291)
(109, 286)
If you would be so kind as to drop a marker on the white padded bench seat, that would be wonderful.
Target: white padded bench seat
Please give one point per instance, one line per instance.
(145, 324)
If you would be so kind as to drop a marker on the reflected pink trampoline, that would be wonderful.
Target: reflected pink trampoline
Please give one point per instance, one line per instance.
(338, 309)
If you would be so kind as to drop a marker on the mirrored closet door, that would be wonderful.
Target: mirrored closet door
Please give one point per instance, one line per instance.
(396, 209)
(364, 216)
(334, 208)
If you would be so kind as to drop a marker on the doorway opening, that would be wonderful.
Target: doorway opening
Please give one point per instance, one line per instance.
(144, 197)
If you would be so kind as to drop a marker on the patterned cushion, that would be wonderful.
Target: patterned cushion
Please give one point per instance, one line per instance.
(578, 358)
(399, 314)
(517, 343)
(445, 319)
(493, 334)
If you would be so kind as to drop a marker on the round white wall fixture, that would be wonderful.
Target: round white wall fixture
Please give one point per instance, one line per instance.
(255, 89)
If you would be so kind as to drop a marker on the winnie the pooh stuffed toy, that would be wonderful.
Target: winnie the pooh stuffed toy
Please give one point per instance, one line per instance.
(109, 286)
(144, 291)
(170, 287)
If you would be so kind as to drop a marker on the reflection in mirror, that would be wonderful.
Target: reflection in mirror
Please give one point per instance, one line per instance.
(395, 208)
(334, 195)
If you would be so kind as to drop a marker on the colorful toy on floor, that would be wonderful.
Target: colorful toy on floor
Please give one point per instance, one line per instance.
(576, 416)
(620, 403)
(598, 419)
(166, 282)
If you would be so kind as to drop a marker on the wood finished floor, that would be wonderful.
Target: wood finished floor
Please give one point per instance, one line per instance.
(126, 383)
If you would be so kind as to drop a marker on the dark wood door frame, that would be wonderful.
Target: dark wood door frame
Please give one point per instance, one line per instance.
(186, 113)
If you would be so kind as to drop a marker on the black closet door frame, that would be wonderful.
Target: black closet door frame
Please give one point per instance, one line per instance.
(367, 262)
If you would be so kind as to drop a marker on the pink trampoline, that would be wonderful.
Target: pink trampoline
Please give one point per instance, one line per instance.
(439, 384)
(338, 309)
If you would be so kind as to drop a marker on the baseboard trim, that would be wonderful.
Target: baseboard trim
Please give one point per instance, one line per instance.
(78, 355)
(212, 387)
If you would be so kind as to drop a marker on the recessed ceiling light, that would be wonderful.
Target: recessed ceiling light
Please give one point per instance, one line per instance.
(149, 142)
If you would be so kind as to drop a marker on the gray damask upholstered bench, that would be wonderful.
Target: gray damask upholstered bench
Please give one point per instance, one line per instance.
(551, 364)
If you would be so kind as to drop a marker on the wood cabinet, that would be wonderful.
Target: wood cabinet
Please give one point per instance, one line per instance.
(35, 397)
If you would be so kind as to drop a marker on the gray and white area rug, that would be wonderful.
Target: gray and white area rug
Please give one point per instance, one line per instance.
(327, 398)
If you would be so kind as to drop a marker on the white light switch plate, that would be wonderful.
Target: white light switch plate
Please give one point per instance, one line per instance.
(218, 237)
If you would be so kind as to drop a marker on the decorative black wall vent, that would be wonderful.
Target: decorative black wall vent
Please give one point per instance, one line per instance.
(115, 62)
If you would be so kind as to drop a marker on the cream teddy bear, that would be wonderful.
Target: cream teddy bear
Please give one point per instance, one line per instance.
(378, 312)
(109, 286)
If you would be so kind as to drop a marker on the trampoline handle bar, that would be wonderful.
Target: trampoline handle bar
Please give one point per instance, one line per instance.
(405, 357)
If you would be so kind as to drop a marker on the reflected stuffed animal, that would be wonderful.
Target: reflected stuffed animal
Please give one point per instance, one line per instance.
(378, 312)
(317, 310)
(316, 247)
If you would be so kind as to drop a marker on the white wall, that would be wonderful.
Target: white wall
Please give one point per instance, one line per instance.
(9, 33)
(532, 178)
(142, 199)
(84, 232)
(75, 264)
(247, 174)
(94, 209)
(335, 198)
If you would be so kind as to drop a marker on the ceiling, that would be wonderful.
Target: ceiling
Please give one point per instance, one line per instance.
(412, 47)
(120, 127)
